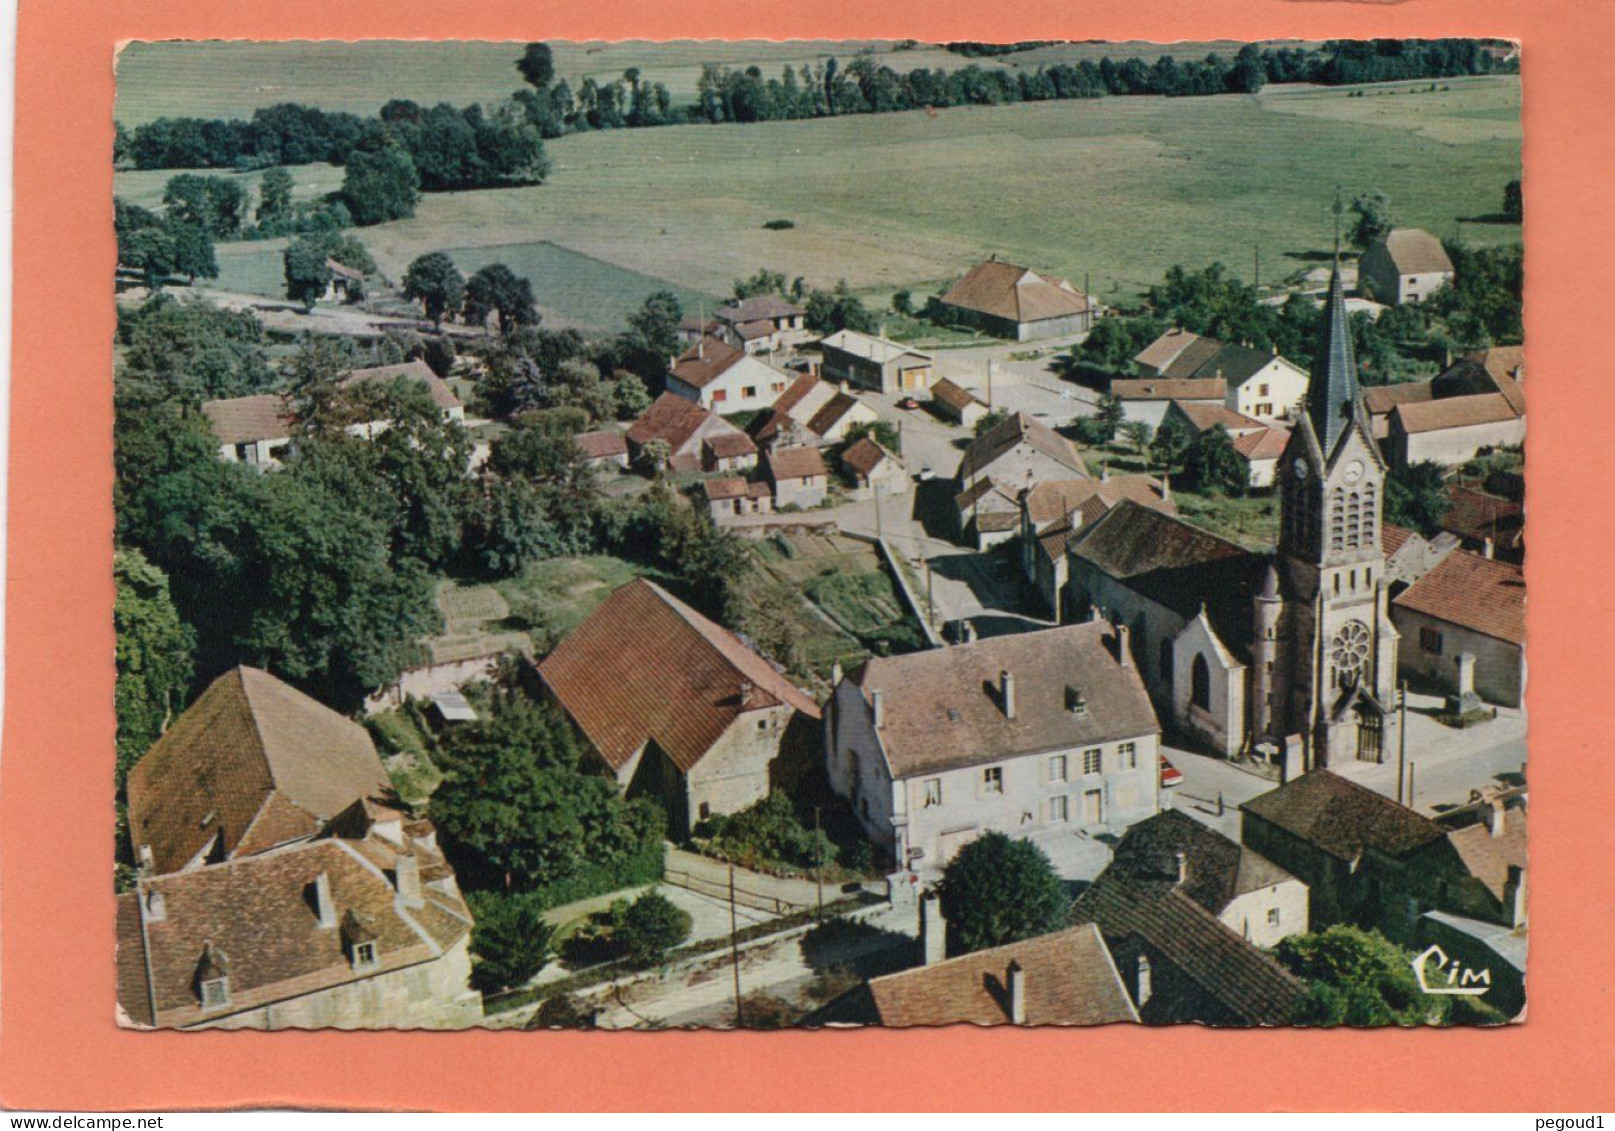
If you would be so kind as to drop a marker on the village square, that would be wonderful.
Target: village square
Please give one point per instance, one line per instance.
(1022, 646)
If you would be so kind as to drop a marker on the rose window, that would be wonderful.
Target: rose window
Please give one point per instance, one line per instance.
(1348, 652)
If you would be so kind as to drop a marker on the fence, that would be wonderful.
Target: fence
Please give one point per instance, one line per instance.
(719, 889)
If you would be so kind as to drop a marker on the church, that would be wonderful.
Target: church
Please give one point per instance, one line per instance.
(1284, 656)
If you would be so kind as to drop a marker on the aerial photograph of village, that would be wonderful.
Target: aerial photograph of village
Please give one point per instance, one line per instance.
(749, 534)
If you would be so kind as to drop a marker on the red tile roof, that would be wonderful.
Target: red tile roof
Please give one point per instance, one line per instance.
(671, 419)
(954, 396)
(253, 762)
(1476, 516)
(706, 361)
(1476, 593)
(1069, 980)
(795, 463)
(730, 445)
(1016, 293)
(646, 667)
(601, 445)
(1269, 443)
(864, 456)
(246, 420)
(1453, 412)
(1166, 349)
(719, 490)
(1381, 399)
(1203, 416)
(1055, 499)
(1170, 389)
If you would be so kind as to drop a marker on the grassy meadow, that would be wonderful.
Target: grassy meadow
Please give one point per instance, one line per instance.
(1115, 190)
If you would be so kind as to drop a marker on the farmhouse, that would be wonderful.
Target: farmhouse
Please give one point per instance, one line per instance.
(1013, 302)
(763, 324)
(1405, 265)
(346, 285)
(280, 886)
(729, 499)
(957, 404)
(1258, 445)
(696, 439)
(1258, 383)
(1013, 455)
(874, 470)
(1018, 734)
(1476, 403)
(798, 475)
(258, 429)
(674, 707)
(1056, 512)
(604, 448)
(1463, 628)
(836, 416)
(1148, 398)
(1485, 524)
(722, 378)
(875, 363)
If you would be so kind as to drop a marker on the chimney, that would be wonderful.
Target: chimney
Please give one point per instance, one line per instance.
(1488, 549)
(1514, 895)
(933, 930)
(835, 673)
(746, 690)
(1017, 993)
(970, 632)
(407, 876)
(1496, 817)
(324, 906)
(1182, 861)
(877, 704)
(1166, 488)
(1124, 646)
(156, 907)
(1006, 688)
(1104, 471)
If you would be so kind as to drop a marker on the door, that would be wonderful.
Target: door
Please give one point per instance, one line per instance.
(1370, 731)
(1093, 807)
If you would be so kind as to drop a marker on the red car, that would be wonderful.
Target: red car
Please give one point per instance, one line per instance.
(1170, 774)
(908, 402)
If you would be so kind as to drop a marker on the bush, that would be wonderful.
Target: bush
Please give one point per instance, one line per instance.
(650, 927)
(510, 939)
(780, 225)
(768, 833)
(562, 1011)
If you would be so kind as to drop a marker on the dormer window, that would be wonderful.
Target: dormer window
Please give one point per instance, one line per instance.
(213, 978)
(215, 993)
(1075, 703)
(359, 939)
(364, 955)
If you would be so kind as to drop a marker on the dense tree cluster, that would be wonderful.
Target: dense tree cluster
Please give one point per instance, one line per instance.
(159, 248)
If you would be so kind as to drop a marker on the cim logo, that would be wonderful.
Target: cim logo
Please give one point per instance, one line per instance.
(1439, 974)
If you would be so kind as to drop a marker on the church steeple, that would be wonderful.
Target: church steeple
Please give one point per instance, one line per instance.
(1333, 391)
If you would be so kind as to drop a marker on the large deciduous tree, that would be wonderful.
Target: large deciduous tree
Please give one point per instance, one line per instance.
(156, 656)
(537, 65)
(380, 185)
(997, 890)
(1212, 464)
(497, 290)
(1370, 219)
(436, 283)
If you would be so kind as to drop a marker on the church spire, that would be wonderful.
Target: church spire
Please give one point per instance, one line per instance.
(1332, 391)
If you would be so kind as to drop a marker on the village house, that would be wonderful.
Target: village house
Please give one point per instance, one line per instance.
(1373, 863)
(1013, 302)
(1063, 978)
(812, 412)
(1057, 511)
(1404, 265)
(1257, 445)
(676, 708)
(763, 324)
(1463, 628)
(346, 284)
(875, 363)
(874, 470)
(836, 416)
(1179, 961)
(1017, 734)
(955, 403)
(1485, 524)
(258, 429)
(280, 885)
(1474, 404)
(1258, 383)
(730, 499)
(1147, 399)
(1013, 455)
(696, 439)
(1409, 556)
(692, 328)
(607, 448)
(798, 475)
(723, 378)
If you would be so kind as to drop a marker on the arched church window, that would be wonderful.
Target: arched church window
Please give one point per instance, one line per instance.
(1200, 683)
(1353, 522)
(1337, 519)
(1370, 516)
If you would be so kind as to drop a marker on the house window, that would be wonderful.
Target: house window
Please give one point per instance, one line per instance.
(748, 391)
(1200, 681)
(706, 810)
(1430, 641)
(1261, 390)
(992, 779)
(1059, 808)
(1272, 916)
(720, 395)
(364, 955)
(1057, 768)
(1091, 761)
(215, 993)
(933, 792)
(1128, 752)
(1264, 409)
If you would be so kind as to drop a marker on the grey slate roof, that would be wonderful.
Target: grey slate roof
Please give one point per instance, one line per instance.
(1219, 869)
(1343, 818)
(1332, 393)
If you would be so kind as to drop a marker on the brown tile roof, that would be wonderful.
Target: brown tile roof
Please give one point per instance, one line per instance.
(794, 394)
(1245, 986)
(1219, 870)
(942, 708)
(1007, 435)
(1476, 516)
(671, 419)
(1016, 293)
(1393, 538)
(718, 490)
(706, 361)
(1416, 252)
(691, 322)
(1503, 361)
(795, 463)
(954, 396)
(245, 420)
(1166, 349)
(256, 917)
(864, 456)
(343, 269)
(1269, 443)
(1477, 593)
(1381, 399)
(1170, 389)
(758, 308)
(1203, 416)
(730, 445)
(1069, 979)
(601, 445)
(1343, 818)
(1487, 857)
(1475, 375)
(831, 412)
(1454, 412)
(1055, 499)
(645, 667)
(442, 396)
(1164, 557)
(987, 491)
(250, 749)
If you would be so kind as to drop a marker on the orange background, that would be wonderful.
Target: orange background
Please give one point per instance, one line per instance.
(59, 1048)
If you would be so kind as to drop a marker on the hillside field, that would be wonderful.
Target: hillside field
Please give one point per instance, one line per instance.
(1115, 190)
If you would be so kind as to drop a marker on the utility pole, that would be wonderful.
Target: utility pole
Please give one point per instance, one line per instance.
(930, 600)
(818, 860)
(1410, 803)
(734, 949)
(874, 490)
(1256, 257)
(1402, 746)
(1087, 303)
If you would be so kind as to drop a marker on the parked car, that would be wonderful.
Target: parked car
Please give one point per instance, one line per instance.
(925, 473)
(909, 403)
(1170, 774)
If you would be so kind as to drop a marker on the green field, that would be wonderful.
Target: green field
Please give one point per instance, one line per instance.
(232, 79)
